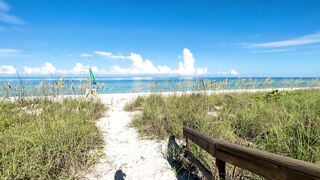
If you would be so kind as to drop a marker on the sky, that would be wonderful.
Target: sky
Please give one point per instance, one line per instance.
(172, 37)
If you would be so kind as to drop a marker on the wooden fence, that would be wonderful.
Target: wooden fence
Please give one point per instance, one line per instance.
(265, 164)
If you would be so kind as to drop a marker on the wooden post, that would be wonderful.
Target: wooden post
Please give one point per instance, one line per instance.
(221, 166)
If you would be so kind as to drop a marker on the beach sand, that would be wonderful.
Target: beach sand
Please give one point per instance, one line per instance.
(125, 153)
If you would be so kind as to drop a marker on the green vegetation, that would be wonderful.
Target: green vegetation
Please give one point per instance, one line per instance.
(135, 105)
(286, 123)
(43, 139)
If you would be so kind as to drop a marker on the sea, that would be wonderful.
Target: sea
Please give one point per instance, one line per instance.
(12, 86)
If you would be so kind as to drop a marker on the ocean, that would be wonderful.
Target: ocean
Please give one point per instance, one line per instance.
(77, 86)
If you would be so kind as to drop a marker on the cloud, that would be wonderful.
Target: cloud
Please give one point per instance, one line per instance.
(187, 67)
(10, 19)
(231, 72)
(47, 68)
(6, 17)
(4, 7)
(303, 40)
(234, 72)
(82, 69)
(11, 53)
(86, 55)
(109, 55)
(142, 66)
(145, 66)
(272, 50)
(201, 71)
(78, 69)
(139, 65)
(7, 70)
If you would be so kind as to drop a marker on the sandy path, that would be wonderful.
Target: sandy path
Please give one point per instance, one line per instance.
(136, 158)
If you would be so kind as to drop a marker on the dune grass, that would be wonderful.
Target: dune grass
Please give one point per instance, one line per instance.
(286, 123)
(43, 139)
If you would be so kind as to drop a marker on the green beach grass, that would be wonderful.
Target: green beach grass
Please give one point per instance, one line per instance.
(286, 123)
(43, 139)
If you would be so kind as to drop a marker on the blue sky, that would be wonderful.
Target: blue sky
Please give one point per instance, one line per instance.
(213, 38)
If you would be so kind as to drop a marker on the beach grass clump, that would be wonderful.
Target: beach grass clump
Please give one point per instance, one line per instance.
(167, 115)
(286, 123)
(134, 105)
(45, 139)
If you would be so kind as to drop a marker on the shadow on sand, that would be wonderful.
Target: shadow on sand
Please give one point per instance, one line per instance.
(174, 158)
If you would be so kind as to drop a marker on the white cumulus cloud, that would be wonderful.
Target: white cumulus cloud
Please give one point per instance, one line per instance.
(78, 69)
(82, 69)
(202, 71)
(145, 66)
(47, 68)
(231, 72)
(187, 67)
(7, 70)
(234, 72)
(139, 65)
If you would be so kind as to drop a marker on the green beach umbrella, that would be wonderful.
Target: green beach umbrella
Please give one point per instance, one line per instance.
(93, 79)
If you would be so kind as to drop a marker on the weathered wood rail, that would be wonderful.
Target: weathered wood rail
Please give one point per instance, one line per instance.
(265, 164)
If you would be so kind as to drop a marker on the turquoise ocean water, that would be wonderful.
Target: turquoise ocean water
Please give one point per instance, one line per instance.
(69, 86)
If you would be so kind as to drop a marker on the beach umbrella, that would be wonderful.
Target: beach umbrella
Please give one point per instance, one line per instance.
(92, 78)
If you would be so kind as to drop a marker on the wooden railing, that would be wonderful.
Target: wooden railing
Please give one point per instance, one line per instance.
(265, 164)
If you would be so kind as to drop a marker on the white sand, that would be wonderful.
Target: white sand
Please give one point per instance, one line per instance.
(124, 150)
